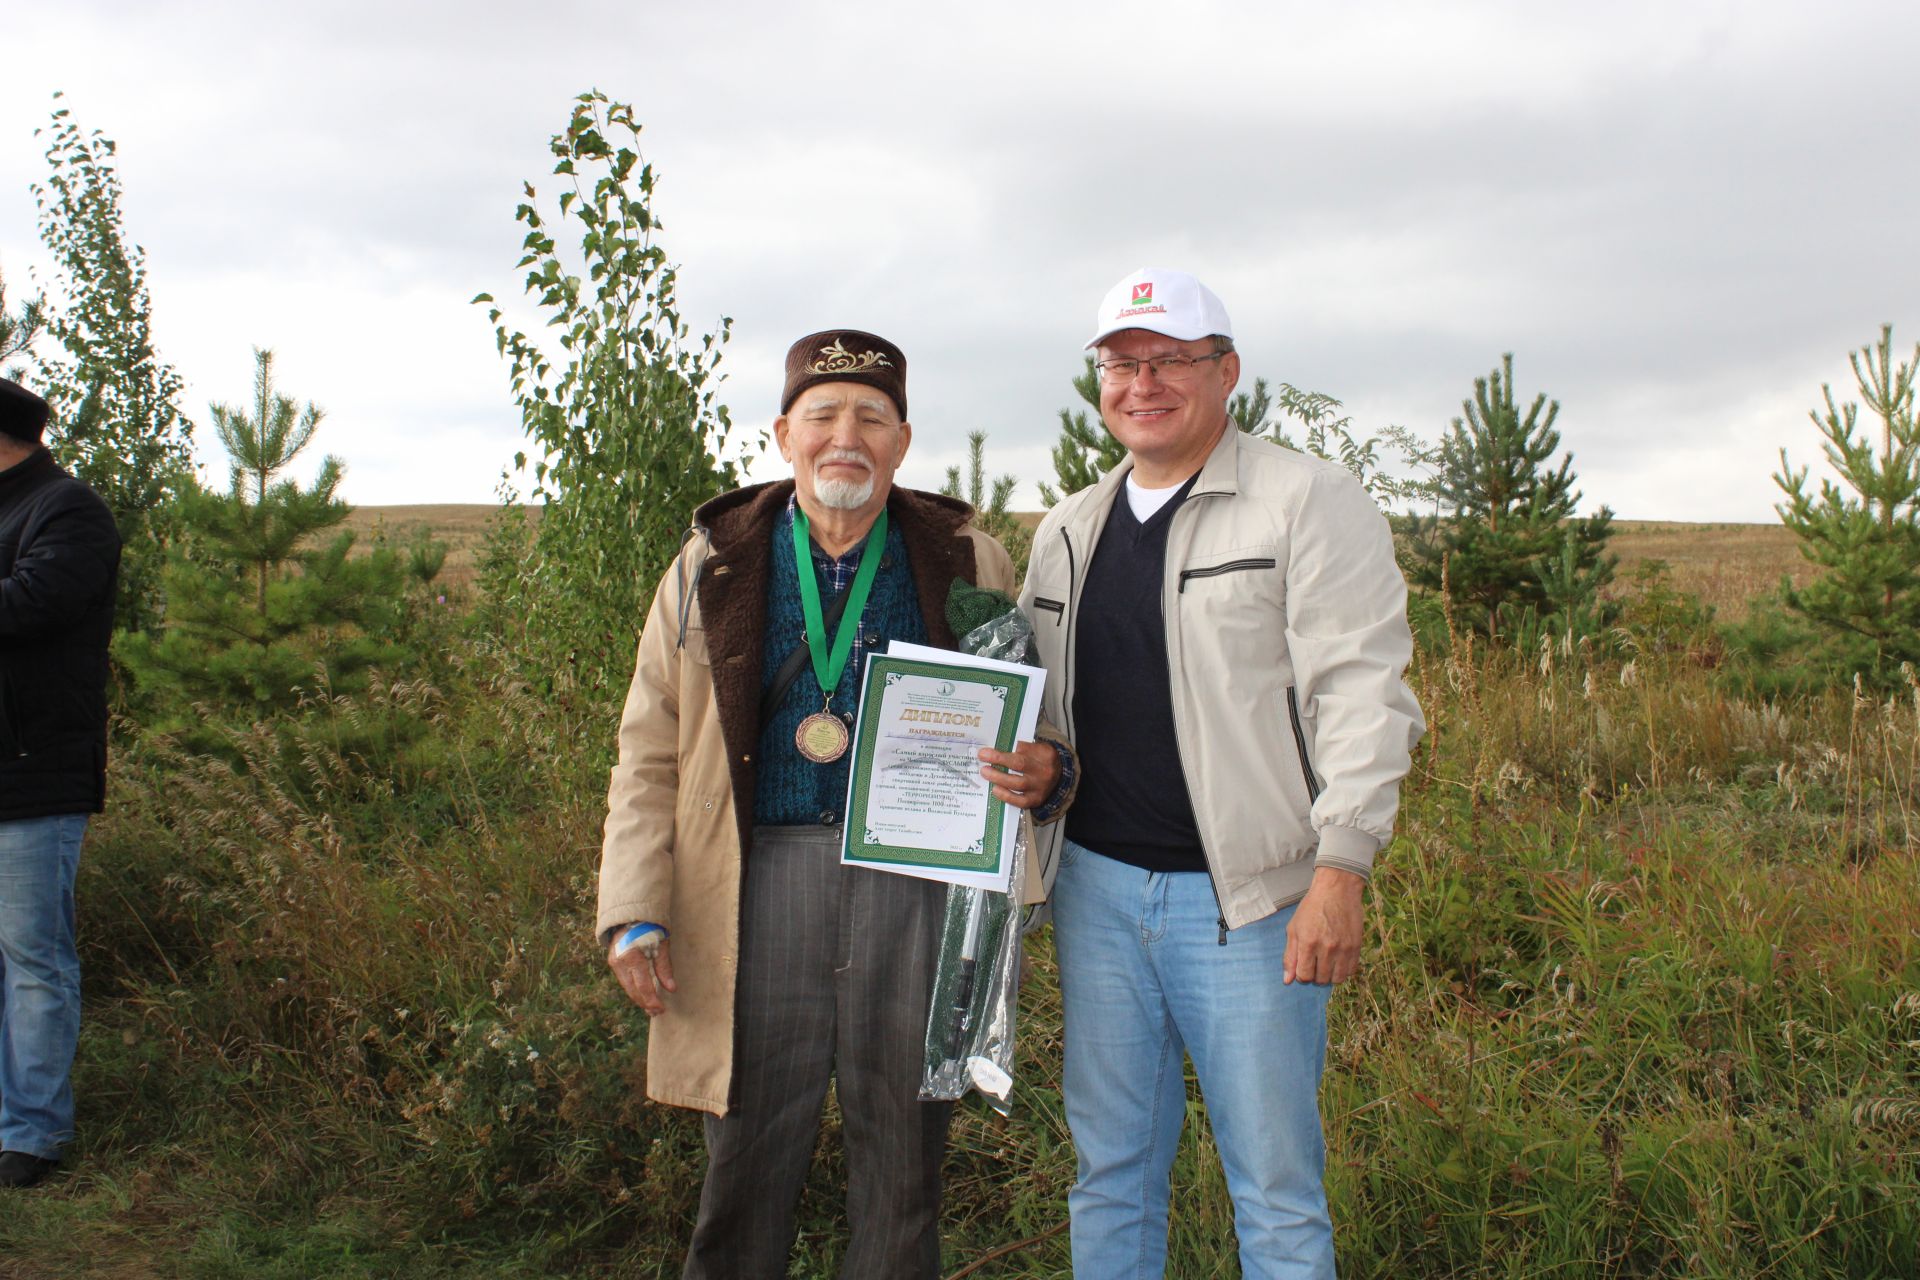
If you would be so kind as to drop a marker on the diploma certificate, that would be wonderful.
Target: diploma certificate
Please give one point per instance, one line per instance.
(916, 803)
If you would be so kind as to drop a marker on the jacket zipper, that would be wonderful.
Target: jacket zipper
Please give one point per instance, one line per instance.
(1300, 741)
(1073, 586)
(1231, 566)
(1213, 874)
(1066, 684)
(680, 570)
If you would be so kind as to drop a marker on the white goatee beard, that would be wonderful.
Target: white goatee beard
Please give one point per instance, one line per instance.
(843, 495)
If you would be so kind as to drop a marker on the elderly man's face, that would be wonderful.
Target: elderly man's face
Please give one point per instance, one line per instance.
(1157, 418)
(845, 441)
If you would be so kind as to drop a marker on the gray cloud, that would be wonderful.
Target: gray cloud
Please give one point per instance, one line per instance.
(1680, 219)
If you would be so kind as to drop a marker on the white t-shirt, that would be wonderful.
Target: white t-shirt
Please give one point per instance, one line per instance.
(1147, 501)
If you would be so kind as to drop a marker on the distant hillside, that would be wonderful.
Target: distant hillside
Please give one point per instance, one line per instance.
(462, 527)
(1725, 564)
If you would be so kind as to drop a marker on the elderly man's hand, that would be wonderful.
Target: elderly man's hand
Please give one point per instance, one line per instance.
(1025, 776)
(643, 976)
(1323, 938)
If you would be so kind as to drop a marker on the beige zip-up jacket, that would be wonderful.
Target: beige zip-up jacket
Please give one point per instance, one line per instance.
(1287, 642)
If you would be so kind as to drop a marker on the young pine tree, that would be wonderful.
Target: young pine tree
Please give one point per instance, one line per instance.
(990, 508)
(1867, 544)
(18, 330)
(1511, 553)
(266, 603)
(1087, 450)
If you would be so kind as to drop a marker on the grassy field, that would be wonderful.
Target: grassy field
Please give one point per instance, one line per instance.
(1641, 996)
(462, 527)
(1724, 564)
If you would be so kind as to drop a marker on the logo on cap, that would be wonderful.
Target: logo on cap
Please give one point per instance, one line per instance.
(1142, 294)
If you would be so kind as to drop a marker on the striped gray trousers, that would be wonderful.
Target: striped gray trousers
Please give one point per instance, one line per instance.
(836, 969)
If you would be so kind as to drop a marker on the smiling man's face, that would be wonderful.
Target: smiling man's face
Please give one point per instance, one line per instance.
(1168, 427)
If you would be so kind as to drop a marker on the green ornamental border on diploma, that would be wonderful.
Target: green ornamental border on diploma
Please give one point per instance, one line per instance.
(984, 856)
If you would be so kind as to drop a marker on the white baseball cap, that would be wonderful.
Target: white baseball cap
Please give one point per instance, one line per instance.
(1161, 301)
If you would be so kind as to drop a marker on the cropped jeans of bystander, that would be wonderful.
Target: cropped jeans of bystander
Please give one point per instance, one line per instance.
(39, 982)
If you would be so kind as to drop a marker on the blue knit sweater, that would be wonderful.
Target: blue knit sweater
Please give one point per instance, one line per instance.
(791, 789)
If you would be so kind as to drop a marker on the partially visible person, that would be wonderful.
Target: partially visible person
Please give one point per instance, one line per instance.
(769, 969)
(1226, 633)
(59, 566)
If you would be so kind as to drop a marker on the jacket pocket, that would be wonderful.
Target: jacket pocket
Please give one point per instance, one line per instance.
(1300, 744)
(1231, 566)
(1057, 608)
(694, 646)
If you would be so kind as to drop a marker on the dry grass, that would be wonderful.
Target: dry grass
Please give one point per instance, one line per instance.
(1726, 565)
(462, 526)
(1640, 999)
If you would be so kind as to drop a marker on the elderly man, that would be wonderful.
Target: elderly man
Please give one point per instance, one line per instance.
(765, 965)
(1227, 633)
(59, 562)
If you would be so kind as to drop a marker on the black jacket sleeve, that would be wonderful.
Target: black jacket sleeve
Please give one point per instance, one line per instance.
(65, 566)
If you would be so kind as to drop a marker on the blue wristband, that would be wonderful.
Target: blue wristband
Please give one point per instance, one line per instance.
(636, 934)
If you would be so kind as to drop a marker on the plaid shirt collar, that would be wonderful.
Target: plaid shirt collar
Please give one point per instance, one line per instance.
(839, 570)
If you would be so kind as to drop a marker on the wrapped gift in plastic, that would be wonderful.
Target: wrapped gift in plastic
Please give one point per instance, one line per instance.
(976, 986)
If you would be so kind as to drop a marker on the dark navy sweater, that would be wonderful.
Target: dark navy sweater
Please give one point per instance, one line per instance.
(1133, 804)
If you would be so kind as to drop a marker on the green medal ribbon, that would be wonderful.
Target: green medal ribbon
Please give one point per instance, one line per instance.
(827, 667)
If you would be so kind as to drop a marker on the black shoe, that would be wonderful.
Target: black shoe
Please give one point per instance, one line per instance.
(18, 1169)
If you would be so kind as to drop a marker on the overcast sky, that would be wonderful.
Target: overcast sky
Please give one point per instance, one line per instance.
(1679, 217)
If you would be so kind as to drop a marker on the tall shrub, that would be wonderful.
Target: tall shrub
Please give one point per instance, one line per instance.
(1329, 434)
(118, 423)
(1867, 541)
(626, 434)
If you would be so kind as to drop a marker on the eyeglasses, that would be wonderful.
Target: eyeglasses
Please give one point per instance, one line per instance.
(1165, 368)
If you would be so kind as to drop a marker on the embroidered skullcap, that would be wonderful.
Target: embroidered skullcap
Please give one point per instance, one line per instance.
(846, 355)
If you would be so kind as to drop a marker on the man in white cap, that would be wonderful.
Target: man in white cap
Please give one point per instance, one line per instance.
(1227, 632)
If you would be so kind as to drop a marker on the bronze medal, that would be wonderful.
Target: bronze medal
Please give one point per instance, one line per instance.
(821, 737)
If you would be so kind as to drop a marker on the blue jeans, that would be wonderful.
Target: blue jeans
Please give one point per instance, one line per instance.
(1143, 977)
(39, 982)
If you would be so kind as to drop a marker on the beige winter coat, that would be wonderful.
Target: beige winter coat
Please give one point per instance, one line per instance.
(680, 806)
